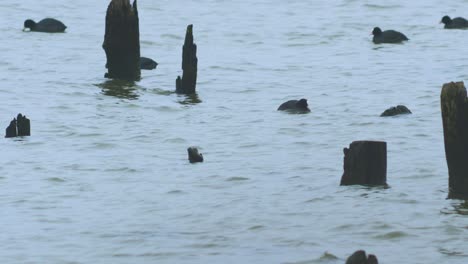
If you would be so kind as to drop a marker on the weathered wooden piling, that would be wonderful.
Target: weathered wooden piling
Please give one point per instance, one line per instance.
(454, 106)
(19, 127)
(122, 41)
(24, 126)
(194, 156)
(10, 131)
(365, 163)
(188, 82)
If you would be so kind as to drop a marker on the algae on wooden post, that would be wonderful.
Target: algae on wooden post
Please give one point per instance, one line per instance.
(188, 82)
(454, 106)
(122, 41)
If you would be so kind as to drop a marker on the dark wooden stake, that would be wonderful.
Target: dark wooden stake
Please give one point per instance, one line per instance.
(122, 41)
(19, 127)
(10, 131)
(188, 82)
(24, 126)
(365, 163)
(454, 105)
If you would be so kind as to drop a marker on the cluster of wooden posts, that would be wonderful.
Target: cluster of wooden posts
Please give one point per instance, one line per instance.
(365, 162)
(122, 47)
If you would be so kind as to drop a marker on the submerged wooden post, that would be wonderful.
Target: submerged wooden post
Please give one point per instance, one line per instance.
(365, 163)
(122, 41)
(454, 106)
(188, 82)
(19, 127)
(10, 131)
(24, 126)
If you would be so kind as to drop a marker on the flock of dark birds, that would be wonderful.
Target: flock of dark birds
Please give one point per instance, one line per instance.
(50, 25)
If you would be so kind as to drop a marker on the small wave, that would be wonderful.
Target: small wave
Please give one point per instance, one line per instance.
(171, 36)
(237, 179)
(324, 258)
(392, 235)
(55, 179)
(256, 227)
(449, 252)
(175, 192)
(122, 169)
(374, 6)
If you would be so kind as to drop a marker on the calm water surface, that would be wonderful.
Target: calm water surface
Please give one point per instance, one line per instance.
(105, 176)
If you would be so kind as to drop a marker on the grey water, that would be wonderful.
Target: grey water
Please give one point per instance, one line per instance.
(104, 178)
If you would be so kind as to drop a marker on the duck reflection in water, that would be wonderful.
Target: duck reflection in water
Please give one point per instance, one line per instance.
(120, 89)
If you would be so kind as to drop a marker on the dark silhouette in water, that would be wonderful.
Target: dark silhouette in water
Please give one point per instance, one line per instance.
(396, 110)
(365, 163)
(10, 131)
(194, 155)
(456, 23)
(188, 82)
(454, 106)
(49, 25)
(359, 257)
(19, 127)
(122, 41)
(147, 63)
(387, 36)
(295, 106)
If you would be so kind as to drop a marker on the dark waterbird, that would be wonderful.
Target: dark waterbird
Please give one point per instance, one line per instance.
(359, 257)
(147, 63)
(387, 36)
(49, 25)
(295, 106)
(456, 23)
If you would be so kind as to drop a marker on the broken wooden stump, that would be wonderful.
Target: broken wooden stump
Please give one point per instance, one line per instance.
(19, 127)
(454, 106)
(10, 131)
(24, 126)
(122, 41)
(188, 82)
(365, 163)
(194, 156)
(359, 257)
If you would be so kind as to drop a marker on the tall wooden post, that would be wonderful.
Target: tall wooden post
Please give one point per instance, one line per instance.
(454, 106)
(188, 82)
(365, 163)
(122, 41)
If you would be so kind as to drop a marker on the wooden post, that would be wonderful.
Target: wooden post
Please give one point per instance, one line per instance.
(10, 131)
(122, 41)
(454, 106)
(365, 163)
(19, 127)
(188, 82)
(24, 126)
